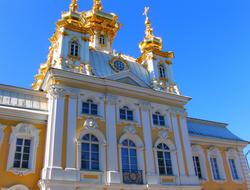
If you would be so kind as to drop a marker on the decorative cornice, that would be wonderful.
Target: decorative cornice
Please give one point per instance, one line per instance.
(145, 106)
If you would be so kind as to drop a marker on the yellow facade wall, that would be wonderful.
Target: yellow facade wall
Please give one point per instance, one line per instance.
(8, 179)
(229, 184)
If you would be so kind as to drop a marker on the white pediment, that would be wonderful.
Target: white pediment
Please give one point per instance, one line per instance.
(128, 78)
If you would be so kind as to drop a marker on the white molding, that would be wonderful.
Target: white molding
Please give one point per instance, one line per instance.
(139, 149)
(173, 154)
(198, 151)
(18, 187)
(101, 84)
(102, 148)
(97, 98)
(233, 154)
(2, 127)
(214, 152)
(24, 115)
(127, 74)
(28, 131)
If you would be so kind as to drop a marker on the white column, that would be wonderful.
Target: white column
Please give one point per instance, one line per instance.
(112, 167)
(151, 172)
(178, 145)
(56, 126)
(71, 132)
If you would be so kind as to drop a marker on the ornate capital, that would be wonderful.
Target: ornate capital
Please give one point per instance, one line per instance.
(146, 106)
(111, 99)
(179, 111)
(56, 91)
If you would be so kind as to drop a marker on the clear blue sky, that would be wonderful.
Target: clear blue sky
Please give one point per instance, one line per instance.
(210, 38)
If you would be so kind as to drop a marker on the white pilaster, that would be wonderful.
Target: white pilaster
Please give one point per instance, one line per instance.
(1, 133)
(85, 49)
(178, 145)
(112, 167)
(245, 169)
(57, 128)
(187, 145)
(151, 173)
(71, 132)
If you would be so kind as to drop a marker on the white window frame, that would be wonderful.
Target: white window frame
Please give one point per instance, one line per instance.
(161, 65)
(18, 187)
(25, 131)
(102, 39)
(97, 99)
(232, 154)
(102, 148)
(198, 151)
(131, 104)
(159, 114)
(173, 154)
(215, 153)
(164, 111)
(74, 40)
(2, 127)
(131, 135)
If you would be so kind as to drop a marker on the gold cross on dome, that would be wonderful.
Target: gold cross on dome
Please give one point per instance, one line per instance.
(146, 10)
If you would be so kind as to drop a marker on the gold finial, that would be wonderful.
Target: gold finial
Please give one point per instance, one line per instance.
(73, 6)
(149, 29)
(97, 6)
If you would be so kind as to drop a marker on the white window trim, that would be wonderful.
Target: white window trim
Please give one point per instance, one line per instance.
(232, 154)
(215, 153)
(198, 151)
(18, 187)
(28, 131)
(173, 153)
(102, 149)
(130, 135)
(2, 127)
(132, 107)
(164, 111)
(99, 100)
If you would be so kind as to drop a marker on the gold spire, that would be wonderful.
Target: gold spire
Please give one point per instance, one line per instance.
(73, 6)
(149, 29)
(150, 42)
(97, 6)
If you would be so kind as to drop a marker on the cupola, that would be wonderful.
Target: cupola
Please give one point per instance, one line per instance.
(104, 25)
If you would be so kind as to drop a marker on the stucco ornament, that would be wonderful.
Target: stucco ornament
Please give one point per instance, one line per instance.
(130, 130)
(90, 124)
(163, 134)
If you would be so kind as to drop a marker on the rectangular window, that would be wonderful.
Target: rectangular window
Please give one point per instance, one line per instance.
(158, 119)
(197, 166)
(215, 168)
(89, 108)
(22, 153)
(233, 169)
(126, 114)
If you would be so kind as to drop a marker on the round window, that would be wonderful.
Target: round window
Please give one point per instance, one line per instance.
(119, 65)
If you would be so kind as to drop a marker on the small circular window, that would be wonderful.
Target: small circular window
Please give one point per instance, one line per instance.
(119, 65)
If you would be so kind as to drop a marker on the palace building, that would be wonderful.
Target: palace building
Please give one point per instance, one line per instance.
(98, 119)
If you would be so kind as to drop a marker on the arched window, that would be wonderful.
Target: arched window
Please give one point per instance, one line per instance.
(199, 162)
(126, 114)
(129, 156)
(74, 49)
(164, 160)
(162, 71)
(89, 153)
(102, 40)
